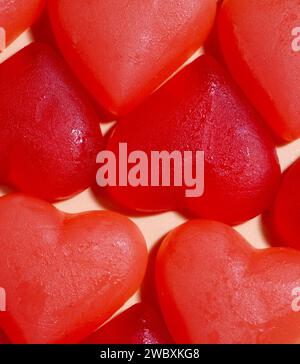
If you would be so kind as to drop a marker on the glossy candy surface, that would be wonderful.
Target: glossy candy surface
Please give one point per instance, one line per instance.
(285, 213)
(215, 288)
(50, 134)
(64, 275)
(258, 44)
(200, 109)
(140, 324)
(18, 15)
(123, 50)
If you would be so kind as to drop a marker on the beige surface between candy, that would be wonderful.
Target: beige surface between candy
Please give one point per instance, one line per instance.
(156, 226)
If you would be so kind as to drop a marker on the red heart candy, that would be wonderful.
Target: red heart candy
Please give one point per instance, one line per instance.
(284, 216)
(215, 288)
(64, 275)
(123, 50)
(258, 42)
(50, 134)
(200, 109)
(18, 15)
(140, 324)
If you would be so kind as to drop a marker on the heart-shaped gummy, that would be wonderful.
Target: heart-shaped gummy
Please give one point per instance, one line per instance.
(64, 275)
(258, 44)
(200, 109)
(50, 133)
(284, 215)
(140, 324)
(18, 15)
(123, 50)
(215, 288)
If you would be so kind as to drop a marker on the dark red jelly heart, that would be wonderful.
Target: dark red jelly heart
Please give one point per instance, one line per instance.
(140, 324)
(50, 133)
(200, 109)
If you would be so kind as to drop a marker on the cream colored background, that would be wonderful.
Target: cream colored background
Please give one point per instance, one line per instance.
(155, 227)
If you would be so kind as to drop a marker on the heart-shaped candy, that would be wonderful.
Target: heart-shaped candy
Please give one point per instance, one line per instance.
(18, 15)
(284, 215)
(215, 288)
(123, 50)
(200, 109)
(50, 134)
(140, 324)
(64, 275)
(260, 42)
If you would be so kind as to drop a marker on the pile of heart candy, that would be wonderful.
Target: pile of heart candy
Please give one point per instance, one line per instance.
(65, 275)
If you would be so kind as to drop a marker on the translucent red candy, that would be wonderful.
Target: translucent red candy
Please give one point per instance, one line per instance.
(140, 324)
(123, 50)
(50, 134)
(200, 109)
(215, 288)
(257, 41)
(286, 209)
(64, 275)
(18, 15)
